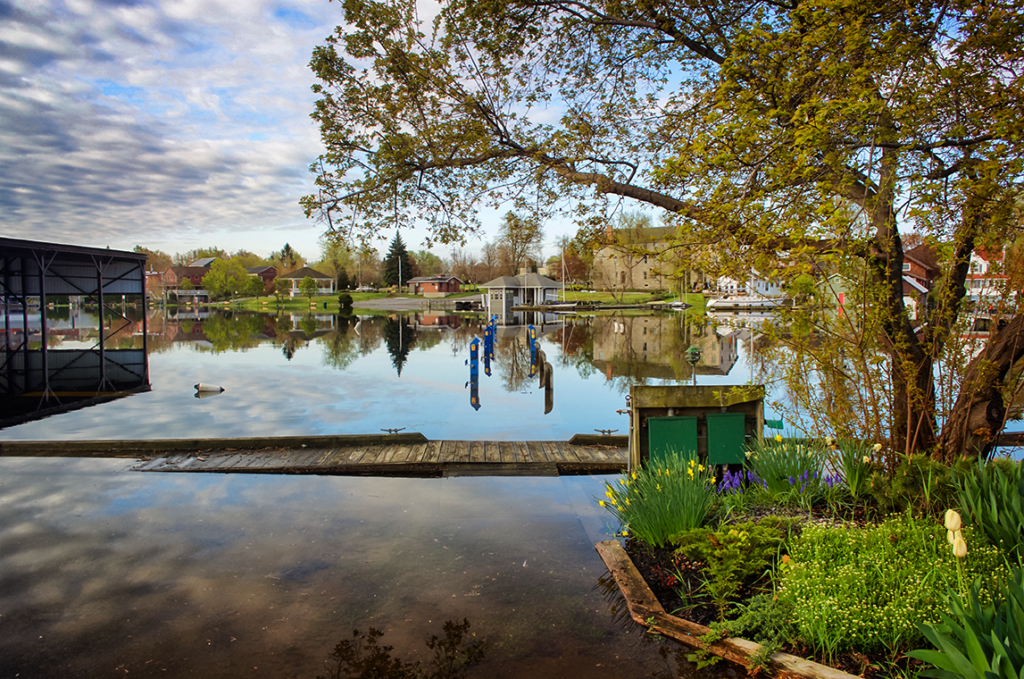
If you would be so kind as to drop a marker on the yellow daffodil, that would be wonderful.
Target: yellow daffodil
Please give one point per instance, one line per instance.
(601, 502)
(659, 486)
(627, 500)
(700, 468)
(778, 438)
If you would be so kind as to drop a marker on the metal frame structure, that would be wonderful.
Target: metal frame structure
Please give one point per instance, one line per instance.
(40, 382)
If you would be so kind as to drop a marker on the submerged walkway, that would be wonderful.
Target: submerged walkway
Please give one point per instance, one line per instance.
(383, 455)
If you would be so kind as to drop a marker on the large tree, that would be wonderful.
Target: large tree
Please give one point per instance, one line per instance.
(783, 134)
(397, 267)
(521, 237)
(226, 279)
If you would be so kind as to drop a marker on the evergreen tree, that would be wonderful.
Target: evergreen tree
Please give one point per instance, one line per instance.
(393, 273)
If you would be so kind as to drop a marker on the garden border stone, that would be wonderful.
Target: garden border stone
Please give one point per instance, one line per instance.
(645, 609)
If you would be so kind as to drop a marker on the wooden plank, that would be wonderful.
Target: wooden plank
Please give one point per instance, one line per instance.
(646, 610)
(372, 455)
(555, 449)
(460, 452)
(414, 453)
(506, 452)
(401, 453)
(433, 451)
(447, 452)
(540, 453)
(387, 454)
(476, 452)
(570, 453)
(525, 454)
(491, 452)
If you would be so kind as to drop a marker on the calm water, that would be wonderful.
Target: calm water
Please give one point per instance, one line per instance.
(105, 572)
(291, 375)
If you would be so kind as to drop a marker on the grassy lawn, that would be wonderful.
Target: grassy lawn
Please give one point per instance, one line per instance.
(303, 304)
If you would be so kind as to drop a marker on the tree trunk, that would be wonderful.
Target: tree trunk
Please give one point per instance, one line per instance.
(977, 416)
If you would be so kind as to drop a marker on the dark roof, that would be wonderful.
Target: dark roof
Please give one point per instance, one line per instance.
(258, 269)
(190, 271)
(427, 279)
(924, 255)
(530, 280)
(205, 262)
(304, 272)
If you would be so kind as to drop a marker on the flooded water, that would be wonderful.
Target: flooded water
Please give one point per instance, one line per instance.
(104, 572)
(311, 375)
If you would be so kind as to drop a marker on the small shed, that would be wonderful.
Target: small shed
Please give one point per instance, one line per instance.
(716, 422)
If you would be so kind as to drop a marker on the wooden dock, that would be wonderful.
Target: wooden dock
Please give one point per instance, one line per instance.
(373, 455)
(427, 459)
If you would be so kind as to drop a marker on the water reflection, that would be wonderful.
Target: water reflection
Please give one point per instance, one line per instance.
(215, 575)
(363, 658)
(339, 374)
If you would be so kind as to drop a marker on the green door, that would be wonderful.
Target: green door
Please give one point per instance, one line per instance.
(670, 437)
(726, 438)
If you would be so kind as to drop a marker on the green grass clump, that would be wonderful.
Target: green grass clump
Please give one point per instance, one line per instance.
(978, 641)
(992, 495)
(867, 590)
(654, 504)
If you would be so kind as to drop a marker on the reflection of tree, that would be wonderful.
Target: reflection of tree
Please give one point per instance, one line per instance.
(399, 337)
(308, 325)
(576, 340)
(340, 347)
(233, 333)
(362, 658)
(512, 356)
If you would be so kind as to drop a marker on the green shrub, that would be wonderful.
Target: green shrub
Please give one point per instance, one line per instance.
(733, 556)
(867, 590)
(918, 483)
(978, 641)
(992, 496)
(656, 503)
(345, 300)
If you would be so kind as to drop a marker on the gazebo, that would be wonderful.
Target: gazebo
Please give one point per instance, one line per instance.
(324, 282)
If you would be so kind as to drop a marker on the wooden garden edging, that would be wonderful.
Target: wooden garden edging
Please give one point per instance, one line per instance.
(645, 609)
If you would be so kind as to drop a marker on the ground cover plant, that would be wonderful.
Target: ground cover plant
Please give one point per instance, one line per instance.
(867, 571)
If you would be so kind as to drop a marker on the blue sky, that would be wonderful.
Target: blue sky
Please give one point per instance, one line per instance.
(171, 124)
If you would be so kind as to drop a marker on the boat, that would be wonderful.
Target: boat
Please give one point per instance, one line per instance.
(745, 302)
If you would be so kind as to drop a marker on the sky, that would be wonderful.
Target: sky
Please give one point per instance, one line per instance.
(172, 124)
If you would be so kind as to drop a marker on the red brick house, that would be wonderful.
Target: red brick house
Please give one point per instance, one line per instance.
(435, 286)
(176, 274)
(267, 273)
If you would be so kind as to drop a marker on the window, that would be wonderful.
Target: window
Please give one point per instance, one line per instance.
(906, 266)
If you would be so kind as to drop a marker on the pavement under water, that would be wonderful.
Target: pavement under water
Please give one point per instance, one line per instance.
(106, 572)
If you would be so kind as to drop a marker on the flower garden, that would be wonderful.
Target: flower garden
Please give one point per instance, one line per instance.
(876, 563)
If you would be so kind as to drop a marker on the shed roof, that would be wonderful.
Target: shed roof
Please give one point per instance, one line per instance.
(530, 280)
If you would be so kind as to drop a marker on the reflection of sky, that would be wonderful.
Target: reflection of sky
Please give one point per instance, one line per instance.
(268, 395)
(211, 575)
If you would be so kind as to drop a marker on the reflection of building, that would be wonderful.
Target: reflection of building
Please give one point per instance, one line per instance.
(653, 347)
(506, 292)
(437, 321)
